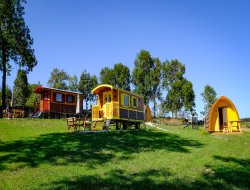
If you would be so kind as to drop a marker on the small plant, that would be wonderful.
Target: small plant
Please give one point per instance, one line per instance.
(203, 131)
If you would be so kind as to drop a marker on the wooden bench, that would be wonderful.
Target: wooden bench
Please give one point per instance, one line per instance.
(234, 124)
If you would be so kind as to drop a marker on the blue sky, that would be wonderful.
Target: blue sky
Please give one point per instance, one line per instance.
(211, 37)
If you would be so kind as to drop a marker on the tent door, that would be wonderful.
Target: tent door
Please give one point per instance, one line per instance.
(222, 117)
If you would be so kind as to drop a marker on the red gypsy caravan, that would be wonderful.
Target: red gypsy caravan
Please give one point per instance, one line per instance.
(57, 103)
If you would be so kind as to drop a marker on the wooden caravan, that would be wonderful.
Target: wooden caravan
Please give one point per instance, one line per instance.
(121, 106)
(223, 117)
(57, 101)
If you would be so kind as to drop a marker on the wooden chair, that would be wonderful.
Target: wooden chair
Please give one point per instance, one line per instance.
(72, 123)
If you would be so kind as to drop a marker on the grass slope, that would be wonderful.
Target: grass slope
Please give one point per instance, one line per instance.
(40, 154)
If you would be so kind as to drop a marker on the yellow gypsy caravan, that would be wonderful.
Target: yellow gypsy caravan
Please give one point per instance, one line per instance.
(223, 117)
(121, 106)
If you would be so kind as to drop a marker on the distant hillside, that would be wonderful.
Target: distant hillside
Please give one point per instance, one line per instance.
(245, 119)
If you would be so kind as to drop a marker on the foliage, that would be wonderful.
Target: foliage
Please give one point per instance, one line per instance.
(141, 76)
(15, 40)
(107, 76)
(209, 97)
(21, 90)
(86, 84)
(58, 79)
(150, 159)
(156, 78)
(33, 97)
(73, 83)
(180, 90)
(8, 95)
(121, 76)
(172, 71)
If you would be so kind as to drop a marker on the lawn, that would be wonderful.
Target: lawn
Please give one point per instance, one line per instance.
(40, 154)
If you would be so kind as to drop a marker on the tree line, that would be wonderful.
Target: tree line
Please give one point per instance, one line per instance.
(159, 82)
(162, 83)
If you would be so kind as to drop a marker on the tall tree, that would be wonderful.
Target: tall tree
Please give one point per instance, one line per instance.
(8, 95)
(209, 97)
(141, 76)
(107, 76)
(180, 90)
(156, 78)
(33, 97)
(58, 79)
(15, 40)
(172, 71)
(73, 83)
(121, 75)
(86, 84)
(188, 96)
(21, 90)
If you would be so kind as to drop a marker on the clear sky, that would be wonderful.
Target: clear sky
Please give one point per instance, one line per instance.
(211, 37)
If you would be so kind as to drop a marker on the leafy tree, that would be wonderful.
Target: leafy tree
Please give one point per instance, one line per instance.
(73, 83)
(107, 76)
(188, 96)
(141, 76)
(58, 79)
(121, 76)
(156, 76)
(8, 95)
(209, 97)
(15, 40)
(172, 71)
(180, 90)
(86, 84)
(173, 102)
(33, 97)
(21, 90)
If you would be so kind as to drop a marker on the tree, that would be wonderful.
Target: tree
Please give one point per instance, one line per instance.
(107, 76)
(141, 77)
(121, 76)
(8, 95)
(73, 83)
(33, 97)
(21, 90)
(180, 90)
(15, 40)
(172, 71)
(188, 96)
(86, 84)
(209, 97)
(156, 76)
(58, 79)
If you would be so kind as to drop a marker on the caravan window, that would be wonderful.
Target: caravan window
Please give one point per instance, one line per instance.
(59, 97)
(126, 100)
(135, 102)
(70, 98)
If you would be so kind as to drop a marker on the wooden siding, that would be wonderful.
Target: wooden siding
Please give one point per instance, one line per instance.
(132, 114)
(123, 113)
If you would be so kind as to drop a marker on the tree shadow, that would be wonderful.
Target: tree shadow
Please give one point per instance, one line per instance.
(223, 177)
(115, 179)
(88, 148)
(231, 173)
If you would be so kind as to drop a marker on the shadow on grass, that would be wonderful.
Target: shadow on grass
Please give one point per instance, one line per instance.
(232, 173)
(91, 149)
(227, 177)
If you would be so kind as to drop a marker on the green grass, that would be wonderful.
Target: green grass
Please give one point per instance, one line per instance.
(40, 154)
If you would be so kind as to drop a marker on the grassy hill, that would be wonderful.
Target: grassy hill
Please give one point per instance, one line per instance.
(40, 154)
